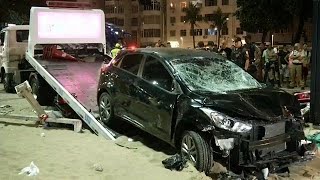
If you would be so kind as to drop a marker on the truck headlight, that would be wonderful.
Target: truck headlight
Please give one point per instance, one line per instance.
(225, 122)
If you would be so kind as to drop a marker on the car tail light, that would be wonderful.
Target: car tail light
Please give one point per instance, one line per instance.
(303, 96)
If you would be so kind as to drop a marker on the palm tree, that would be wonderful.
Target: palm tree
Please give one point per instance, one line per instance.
(219, 21)
(192, 17)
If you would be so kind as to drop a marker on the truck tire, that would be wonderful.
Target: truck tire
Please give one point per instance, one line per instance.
(196, 149)
(1, 77)
(41, 91)
(8, 82)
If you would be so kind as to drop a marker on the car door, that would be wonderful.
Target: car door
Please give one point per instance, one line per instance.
(157, 98)
(124, 82)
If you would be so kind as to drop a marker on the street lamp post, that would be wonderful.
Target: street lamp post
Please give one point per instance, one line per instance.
(315, 67)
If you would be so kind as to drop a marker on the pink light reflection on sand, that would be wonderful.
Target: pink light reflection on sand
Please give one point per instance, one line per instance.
(69, 25)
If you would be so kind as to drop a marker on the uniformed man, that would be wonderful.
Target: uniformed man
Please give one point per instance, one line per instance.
(115, 51)
(239, 54)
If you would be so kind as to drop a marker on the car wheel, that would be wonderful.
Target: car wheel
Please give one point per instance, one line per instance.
(105, 108)
(42, 91)
(8, 82)
(197, 150)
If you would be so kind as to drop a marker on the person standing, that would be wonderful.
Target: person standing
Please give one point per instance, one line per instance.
(254, 56)
(283, 58)
(305, 64)
(225, 51)
(271, 65)
(295, 66)
(239, 54)
(116, 50)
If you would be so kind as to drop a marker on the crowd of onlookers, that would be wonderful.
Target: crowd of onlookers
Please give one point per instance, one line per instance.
(286, 66)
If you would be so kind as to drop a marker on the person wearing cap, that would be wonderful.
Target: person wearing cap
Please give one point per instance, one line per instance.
(239, 55)
(115, 51)
(295, 66)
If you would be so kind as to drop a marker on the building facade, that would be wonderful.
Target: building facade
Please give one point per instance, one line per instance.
(164, 20)
(146, 23)
(179, 31)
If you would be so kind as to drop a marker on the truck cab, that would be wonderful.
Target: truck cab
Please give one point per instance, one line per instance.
(13, 45)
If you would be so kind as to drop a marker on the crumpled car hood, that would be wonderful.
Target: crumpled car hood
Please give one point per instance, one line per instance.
(264, 104)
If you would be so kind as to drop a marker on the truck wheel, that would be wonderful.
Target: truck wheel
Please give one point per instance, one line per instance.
(41, 91)
(105, 109)
(197, 150)
(8, 82)
(1, 77)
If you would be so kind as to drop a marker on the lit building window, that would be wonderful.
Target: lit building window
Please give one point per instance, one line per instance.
(197, 32)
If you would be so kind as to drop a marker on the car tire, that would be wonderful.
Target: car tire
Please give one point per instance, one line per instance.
(42, 92)
(106, 109)
(196, 149)
(8, 82)
(1, 77)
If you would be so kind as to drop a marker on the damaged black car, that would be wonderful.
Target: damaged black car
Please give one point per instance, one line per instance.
(204, 105)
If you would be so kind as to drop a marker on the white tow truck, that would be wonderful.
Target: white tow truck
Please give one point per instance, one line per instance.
(73, 81)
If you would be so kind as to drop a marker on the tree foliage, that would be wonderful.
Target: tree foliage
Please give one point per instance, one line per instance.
(192, 17)
(270, 15)
(219, 20)
(14, 11)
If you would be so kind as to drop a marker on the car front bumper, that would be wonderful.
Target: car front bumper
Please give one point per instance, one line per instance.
(277, 148)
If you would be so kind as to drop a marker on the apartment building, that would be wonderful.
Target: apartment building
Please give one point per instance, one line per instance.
(146, 23)
(179, 30)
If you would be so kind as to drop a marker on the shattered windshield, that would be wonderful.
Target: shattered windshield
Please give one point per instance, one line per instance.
(213, 74)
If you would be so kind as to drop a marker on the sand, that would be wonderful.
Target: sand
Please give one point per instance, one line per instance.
(64, 154)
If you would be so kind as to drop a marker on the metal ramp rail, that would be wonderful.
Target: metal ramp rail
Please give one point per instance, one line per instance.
(83, 113)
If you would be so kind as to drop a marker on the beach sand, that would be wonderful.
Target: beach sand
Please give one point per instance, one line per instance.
(64, 154)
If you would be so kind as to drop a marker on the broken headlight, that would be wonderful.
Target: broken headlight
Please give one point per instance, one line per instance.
(225, 122)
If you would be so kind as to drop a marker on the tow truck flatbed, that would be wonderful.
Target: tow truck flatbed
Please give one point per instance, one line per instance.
(79, 78)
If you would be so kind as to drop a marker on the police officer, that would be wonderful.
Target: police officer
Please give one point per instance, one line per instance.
(239, 54)
(115, 51)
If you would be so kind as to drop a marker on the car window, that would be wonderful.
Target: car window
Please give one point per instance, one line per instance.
(157, 74)
(22, 35)
(131, 63)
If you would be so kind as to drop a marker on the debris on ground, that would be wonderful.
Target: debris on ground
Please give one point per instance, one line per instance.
(5, 106)
(175, 162)
(31, 170)
(5, 109)
(98, 167)
(315, 138)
